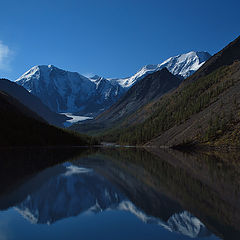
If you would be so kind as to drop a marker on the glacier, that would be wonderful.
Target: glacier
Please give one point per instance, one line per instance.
(73, 119)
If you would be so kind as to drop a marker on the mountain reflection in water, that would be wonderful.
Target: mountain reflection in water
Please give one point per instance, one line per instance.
(189, 195)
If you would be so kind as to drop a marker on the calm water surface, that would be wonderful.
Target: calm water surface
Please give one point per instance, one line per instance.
(118, 194)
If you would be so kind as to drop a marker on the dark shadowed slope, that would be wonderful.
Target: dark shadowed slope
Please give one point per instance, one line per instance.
(19, 126)
(144, 91)
(32, 102)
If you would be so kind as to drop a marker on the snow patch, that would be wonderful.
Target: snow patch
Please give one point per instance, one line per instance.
(74, 119)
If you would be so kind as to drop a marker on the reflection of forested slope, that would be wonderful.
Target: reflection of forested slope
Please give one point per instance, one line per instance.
(203, 184)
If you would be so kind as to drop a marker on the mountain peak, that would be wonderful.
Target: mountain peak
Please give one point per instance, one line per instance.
(184, 65)
(69, 92)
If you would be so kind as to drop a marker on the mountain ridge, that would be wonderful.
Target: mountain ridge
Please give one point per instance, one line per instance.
(182, 65)
(64, 91)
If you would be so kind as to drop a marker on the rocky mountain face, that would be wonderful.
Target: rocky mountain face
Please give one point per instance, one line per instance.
(106, 94)
(64, 91)
(32, 102)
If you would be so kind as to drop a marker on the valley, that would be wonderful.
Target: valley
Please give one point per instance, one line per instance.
(119, 120)
(190, 99)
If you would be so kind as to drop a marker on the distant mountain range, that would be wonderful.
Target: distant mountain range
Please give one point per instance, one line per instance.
(64, 91)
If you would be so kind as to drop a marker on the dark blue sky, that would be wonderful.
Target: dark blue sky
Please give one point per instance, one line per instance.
(112, 38)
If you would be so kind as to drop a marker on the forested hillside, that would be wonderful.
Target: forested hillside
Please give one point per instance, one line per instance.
(203, 110)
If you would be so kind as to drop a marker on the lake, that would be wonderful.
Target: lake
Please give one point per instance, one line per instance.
(118, 193)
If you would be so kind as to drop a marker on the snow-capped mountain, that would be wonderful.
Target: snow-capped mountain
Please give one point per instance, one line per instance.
(183, 65)
(64, 91)
(72, 190)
